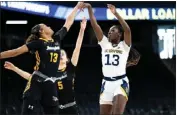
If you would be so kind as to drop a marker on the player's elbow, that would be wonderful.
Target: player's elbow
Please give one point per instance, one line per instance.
(74, 61)
(67, 26)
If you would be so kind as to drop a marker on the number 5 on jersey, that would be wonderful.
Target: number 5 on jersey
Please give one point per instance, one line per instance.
(53, 57)
(60, 85)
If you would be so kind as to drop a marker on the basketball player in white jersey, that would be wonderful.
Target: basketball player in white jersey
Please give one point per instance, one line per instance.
(115, 85)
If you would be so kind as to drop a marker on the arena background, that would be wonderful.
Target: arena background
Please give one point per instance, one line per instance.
(152, 81)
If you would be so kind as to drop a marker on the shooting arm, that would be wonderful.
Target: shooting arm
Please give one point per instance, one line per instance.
(97, 29)
(126, 28)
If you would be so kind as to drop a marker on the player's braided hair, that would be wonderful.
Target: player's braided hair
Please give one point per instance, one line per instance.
(35, 34)
(133, 58)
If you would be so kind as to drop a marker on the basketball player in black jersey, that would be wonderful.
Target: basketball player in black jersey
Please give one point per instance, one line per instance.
(47, 50)
(65, 76)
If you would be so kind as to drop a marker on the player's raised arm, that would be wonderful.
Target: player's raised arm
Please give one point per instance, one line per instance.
(10, 66)
(125, 26)
(76, 52)
(69, 21)
(97, 29)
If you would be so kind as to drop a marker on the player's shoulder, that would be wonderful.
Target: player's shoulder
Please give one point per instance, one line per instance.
(104, 42)
(36, 42)
(104, 36)
(124, 44)
(104, 39)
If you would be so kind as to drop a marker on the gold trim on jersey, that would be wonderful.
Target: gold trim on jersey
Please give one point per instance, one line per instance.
(46, 40)
(28, 84)
(126, 96)
(37, 61)
(61, 70)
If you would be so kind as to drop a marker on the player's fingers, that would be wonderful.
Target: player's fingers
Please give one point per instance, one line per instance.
(81, 6)
(108, 5)
(84, 5)
(82, 9)
(111, 5)
(5, 65)
(84, 19)
(80, 3)
(6, 62)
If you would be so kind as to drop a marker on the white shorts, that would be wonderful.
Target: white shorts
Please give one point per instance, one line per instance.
(109, 89)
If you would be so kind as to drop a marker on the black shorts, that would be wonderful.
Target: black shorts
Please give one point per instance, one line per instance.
(73, 110)
(31, 107)
(42, 92)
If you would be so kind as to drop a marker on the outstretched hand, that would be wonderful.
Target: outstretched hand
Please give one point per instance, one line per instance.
(84, 23)
(80, 5)
(9, 65)
(86, 5)
(112, 8)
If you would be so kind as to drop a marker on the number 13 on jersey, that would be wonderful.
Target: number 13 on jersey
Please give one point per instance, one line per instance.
(112, 59)
(53, 57)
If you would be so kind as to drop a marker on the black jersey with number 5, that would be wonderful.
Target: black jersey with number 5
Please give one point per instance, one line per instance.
(65, 85)
(47, 53)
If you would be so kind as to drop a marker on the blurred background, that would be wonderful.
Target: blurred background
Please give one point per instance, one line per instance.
(152, 81)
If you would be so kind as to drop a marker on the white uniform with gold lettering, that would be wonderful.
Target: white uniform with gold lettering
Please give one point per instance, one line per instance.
(114, 59)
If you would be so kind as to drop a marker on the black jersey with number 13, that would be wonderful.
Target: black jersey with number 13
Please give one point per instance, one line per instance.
(47, 53)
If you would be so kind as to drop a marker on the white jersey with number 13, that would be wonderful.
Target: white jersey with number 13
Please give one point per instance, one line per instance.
(114, 58)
